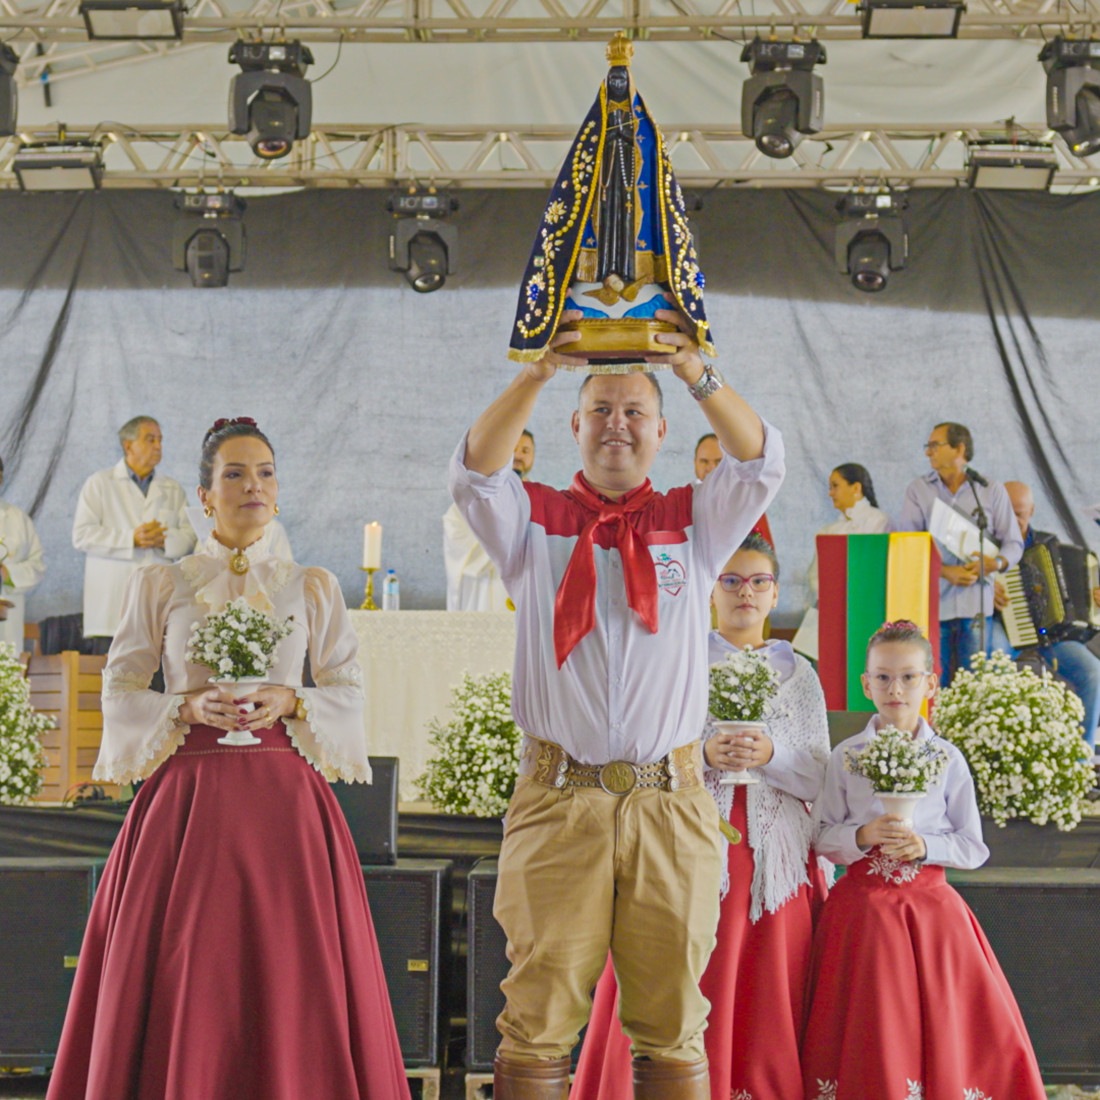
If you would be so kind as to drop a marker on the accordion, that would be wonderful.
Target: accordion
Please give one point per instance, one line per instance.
(1050, 594)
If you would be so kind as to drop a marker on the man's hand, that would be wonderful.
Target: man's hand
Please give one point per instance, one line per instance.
(150, 535)
(992, 565)
(545, 368)
(961, 575)
(1096, 596)
(1000, 596)
(683, 357)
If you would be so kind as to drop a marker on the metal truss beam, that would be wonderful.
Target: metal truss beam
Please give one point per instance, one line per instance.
(55, 26)
(499, 156)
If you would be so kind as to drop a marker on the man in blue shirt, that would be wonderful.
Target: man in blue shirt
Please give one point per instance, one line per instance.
(964, 599)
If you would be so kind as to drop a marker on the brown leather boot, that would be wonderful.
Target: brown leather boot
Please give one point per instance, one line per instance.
(671, 1080)
(543, 1080)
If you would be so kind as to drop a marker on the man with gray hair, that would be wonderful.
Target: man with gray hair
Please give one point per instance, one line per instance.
(126, 515)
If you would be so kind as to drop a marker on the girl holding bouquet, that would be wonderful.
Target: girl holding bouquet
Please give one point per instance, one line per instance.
(230, 952)
(906, 996)
(755, 980)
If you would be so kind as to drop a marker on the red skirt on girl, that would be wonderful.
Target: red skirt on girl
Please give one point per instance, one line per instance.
(230, 952)
(755, 982)
(907, 999)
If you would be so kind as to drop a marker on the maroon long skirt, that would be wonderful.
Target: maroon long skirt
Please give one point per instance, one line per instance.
(755, 982)
(907, 998)
(230, 953)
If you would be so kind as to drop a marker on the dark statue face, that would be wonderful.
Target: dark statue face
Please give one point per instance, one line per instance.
(618, 82)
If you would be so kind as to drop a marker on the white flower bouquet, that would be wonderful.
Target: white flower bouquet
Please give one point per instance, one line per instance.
(238, 642)
(21, 729)
(896, 762)
(741, 687)
(476, 756)
(1021, 736)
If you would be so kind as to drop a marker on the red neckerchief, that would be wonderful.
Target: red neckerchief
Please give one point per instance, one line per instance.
(575, 603)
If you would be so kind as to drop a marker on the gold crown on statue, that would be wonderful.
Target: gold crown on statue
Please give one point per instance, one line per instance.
(620, 49)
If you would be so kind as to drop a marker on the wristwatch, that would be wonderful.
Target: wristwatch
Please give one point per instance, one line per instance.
(710, 381)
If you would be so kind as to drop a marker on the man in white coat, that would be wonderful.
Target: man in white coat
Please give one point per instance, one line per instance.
(127, 515)
(21, 567)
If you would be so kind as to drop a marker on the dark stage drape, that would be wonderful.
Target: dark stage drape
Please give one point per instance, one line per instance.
(366, 387)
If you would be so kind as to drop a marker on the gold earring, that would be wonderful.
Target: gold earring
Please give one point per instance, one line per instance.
(276, 509)
(207, 511)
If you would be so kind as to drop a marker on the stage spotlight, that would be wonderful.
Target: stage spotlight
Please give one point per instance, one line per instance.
(208, 237)
(59, 166)
(1011, 166)
(270, 101)
(871, 241)
(1073, 92)
(117, 20)
(783, 99)
(911, 18)
(9, 93)
(423, 246)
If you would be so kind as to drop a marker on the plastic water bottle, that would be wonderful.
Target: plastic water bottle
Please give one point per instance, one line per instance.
(391, 592)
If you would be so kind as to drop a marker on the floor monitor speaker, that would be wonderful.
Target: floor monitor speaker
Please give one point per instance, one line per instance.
(410, 902)
(44, 907)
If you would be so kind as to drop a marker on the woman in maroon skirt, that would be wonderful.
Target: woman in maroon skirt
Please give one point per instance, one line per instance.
(906, 997)
(230, 953)
(755, 980)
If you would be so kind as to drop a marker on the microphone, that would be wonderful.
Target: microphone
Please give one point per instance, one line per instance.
(973, 475)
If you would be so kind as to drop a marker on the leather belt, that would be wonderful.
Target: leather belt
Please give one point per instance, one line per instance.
(549, 764)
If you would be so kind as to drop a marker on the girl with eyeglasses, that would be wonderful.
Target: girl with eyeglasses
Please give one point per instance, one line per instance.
(906, 997)
(771, 883)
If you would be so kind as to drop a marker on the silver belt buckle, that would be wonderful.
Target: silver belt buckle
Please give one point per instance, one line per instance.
(619, 777)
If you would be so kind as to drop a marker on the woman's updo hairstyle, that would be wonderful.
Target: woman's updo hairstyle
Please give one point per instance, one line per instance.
(756, 542)
(855, 474)
(217, 434)
(906, 632)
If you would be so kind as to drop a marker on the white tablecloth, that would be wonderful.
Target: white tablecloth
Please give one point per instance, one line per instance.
(412, 660)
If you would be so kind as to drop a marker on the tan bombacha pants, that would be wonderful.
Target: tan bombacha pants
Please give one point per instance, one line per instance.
(582, 871)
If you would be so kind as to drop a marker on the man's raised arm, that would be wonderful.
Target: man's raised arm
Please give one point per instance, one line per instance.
(494, 435)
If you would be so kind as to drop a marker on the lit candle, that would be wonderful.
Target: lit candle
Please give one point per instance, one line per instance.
(372, 546)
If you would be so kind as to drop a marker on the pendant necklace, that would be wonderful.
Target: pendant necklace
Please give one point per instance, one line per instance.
(238, 562)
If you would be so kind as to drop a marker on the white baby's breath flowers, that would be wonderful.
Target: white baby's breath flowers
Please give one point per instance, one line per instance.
(741, 686)
(473, 770)
(236, 642)
(894, 762)
(21, 729)
(1021, 736)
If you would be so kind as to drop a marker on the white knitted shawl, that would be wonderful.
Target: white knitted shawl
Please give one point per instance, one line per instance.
(779, 824)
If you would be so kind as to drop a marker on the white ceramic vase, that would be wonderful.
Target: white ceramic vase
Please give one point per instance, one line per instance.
(741, 778)
(241, 689)
(902, 803)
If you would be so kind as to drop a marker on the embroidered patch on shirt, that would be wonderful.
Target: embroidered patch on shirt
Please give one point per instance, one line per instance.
(671, 574)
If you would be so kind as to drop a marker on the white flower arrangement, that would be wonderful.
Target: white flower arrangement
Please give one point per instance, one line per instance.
(1021, 736)
(476, 756)
(237, 642)
(21, 729)
(895, 762)
(741, 687)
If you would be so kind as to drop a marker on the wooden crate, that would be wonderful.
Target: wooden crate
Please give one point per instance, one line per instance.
(67, 686)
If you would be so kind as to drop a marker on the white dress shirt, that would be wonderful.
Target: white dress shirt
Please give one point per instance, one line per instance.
(946, 818)
(623, 693)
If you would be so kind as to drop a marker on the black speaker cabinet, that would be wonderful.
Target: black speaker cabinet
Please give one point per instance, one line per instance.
(371, 811)
(486, 967)
(44, 906)
(1043, 927)
(410, 902)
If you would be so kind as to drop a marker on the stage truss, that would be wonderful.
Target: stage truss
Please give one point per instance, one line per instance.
(485, 156)
(50, 35)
